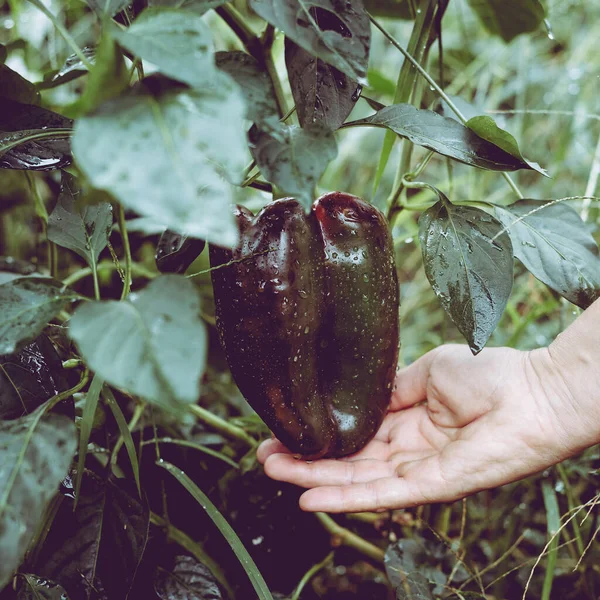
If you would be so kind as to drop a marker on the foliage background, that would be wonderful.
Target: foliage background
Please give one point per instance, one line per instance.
(541, 87)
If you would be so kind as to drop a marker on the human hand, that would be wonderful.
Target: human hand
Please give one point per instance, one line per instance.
(457, 424)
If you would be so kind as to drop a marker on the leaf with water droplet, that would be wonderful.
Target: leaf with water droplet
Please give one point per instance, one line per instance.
(83, 229)
(555, 246)
(473, 278)
(153, 345)
(38, 588)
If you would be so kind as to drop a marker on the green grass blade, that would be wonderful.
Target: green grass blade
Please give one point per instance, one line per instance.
(553, 520)
(85, 430)
(125, 434)
(228, 533)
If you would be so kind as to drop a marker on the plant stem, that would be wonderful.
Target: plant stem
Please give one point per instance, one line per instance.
(65, 34)
(309, 575)
(126, 251)
(221, 425)
(267, 59)
(107, 266)
(238, 25)
(439, 91)
(351, 539)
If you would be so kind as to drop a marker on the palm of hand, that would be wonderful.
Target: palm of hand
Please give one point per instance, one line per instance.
(484, 424)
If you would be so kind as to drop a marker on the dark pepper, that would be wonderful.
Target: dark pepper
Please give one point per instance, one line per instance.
(175, 252)
(308, 317)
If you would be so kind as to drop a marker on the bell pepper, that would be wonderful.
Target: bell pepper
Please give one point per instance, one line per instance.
(307, 312)
(175, 252)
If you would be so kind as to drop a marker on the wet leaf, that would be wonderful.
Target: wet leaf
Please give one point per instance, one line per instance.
(178, 43)
(29, 378)
(17, 88)
(84, 229)
(94, 551)
(486, 128)
(323, 95)
(26, 306)
(445, 136)
(153, 345)
(176, 252)
(509, 18)
(19, 122)
(72, 68)
(188, 579)
(35, 454)
(296, 164)
(256, 87)
(38, 588)
(170, 143)
(556, 246)
(469, 263)
(345, 47)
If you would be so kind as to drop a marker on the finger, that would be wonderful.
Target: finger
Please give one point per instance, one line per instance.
(268, 447)
(284, 467)
(411, 382)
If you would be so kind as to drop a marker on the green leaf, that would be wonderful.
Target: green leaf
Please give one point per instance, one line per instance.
(260, 587)
(323, 95)
(38, 588)
(188, 579)
(486, 128)
(108, 78)
(178, 43)
(95, 550)
(256, 87)
(72, 68)
(27, 139)
(163, 154)
(35, 454)
(556, 246)
(346, 47)
(296, 164)
(445, 136)
(27, 305)
(509, 18)
(468, 260)
(14, 87)
(85, 230)
(153, 345)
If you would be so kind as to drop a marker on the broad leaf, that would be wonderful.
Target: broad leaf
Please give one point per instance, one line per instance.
(38, 588)
(94, 551)
(29, 378)
(323, 95)
(346, 47)
(35, 454)
(486, 128)
(178, 43)
(197, 6)
(188, 579)
(107, 7)
(84, 229)
(153, 345)
(469, 263)
(72, 68)
(556, 246)
(162, 155)
(108, 78)
(509, 18)
(18, 122)
(445, 136)
(256, 87)
(296, 164)
(14, 87)
(26, 306)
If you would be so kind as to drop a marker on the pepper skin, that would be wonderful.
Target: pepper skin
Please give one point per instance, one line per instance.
(308, 317)
(175, 252)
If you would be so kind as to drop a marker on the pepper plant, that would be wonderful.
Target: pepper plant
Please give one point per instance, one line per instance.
(126, 452)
